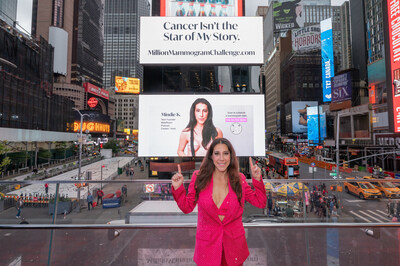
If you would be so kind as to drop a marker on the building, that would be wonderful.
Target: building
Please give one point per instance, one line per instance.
(121, 46)
(8, 12)
(345, 62)
(75, 30)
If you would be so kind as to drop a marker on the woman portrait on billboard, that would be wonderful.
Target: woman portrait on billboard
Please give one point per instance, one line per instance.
(196, 138)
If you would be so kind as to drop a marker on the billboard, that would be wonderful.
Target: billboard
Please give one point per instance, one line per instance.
(299, 115)
(90, 88)
(288, 15)
(205, 8)
(127, 85)
(316, 125)
(306, 39)
(94, 122)
(341, 87)
(120, 125)
(327, 58)
(176, 129)
(394, 40)
(201, 40)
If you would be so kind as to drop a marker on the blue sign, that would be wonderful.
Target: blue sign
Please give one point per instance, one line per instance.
(327, 58)
(312, 164)
(316, 128)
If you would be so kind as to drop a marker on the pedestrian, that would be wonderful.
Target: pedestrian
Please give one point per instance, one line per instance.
(124, 191)
(19, 206)
(100, 195)
(127, 171)
(390, 208)
(267, 171)
(46, 188)
(89, 200)
(334, 215)
(270, 203)
(220, 191)
(131, 173)
(307, 199)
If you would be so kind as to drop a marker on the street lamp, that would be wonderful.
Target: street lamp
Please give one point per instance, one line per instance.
(80, 140)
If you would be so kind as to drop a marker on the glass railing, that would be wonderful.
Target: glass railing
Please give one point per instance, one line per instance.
(306, 222)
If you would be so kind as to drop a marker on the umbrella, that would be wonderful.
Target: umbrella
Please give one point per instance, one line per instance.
(270, 187)
(286, 190)
(299, 186)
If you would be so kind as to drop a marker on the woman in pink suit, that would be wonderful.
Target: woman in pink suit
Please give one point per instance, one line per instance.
(219, 190)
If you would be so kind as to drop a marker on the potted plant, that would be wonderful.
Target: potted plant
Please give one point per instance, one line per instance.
(64, 205)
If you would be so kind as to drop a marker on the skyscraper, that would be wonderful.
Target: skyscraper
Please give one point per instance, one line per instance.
(121, 50)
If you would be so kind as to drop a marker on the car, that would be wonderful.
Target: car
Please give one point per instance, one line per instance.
(387, 189)
(362, 189)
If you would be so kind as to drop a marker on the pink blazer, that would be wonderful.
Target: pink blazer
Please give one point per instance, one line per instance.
(212, 233)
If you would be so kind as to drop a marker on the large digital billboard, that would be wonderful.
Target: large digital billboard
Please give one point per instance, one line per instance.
(177, 125)
(328, 70)
(341, 88)
(316, 125)
(288, 15)
(94, 122)
(201, 8)
(299, 115)
(127, 85)
(201, 40)
(306, 39)
(394, 42)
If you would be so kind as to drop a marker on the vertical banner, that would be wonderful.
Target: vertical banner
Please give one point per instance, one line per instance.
(394, 43)
(327, 58)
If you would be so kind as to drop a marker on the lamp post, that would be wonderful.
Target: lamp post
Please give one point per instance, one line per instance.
(80, 140)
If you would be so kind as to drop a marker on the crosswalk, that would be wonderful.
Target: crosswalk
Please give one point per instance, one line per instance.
(371, 216)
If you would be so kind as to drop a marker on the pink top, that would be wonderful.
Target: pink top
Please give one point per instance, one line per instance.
(212, 233)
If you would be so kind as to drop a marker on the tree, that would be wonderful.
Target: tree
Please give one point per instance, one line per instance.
(112, 144)
(6, 160)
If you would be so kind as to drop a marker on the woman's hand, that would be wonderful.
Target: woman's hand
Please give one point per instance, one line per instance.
(177, 179)
(255, 170)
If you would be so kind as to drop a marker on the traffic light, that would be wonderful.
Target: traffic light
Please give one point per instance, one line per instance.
(101, 145)
(333, 188)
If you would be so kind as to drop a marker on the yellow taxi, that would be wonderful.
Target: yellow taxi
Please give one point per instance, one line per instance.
(388, 189)
(362, 189)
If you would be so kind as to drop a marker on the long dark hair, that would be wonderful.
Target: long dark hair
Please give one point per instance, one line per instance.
(209, 131)
(207, 168)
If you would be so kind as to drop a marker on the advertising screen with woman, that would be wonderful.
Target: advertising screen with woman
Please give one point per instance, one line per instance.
(185, 125)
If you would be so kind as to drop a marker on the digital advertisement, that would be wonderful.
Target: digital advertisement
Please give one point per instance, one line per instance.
(201, 40)
(188, 126)
(394, 42)
(306, 39)
(316, 125)
(127, 85)
(299, 116)
(341, 88)
(201, 8)
(288, 15)
(328, 70)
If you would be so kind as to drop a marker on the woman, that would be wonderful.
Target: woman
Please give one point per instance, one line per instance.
(200, 131)
(219, 190)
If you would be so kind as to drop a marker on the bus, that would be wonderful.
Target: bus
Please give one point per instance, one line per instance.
(286, 166)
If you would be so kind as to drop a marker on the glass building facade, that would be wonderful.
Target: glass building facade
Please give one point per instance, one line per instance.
(8, 11)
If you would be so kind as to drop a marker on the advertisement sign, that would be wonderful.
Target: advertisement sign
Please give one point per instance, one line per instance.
(288, 15)
(92, 102)
(127, 85)
(95, 122)
(299, 116)
(341, 88)
(192, 121)
(210, 8)
(306, 39)
(201, 40)
(388, 140)
(120, 125)
(316, 126)
(90, 88)
(327, 58)
(394, 41)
